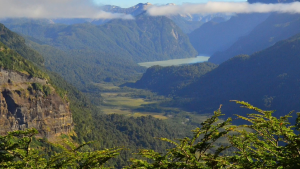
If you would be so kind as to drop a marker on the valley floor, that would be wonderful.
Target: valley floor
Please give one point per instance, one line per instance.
(136, 103)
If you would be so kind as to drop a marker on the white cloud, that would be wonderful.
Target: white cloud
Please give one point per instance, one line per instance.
(55, 9)
(224, 7)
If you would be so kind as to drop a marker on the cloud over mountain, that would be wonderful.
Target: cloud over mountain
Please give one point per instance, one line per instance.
(55, 9)
(224, 7)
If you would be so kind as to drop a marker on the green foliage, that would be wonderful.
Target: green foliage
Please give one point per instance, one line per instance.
(37, 86)
(268, 79)
(271, 143)
(43, 88)
(16, 152)
(17, 43)
(191, 153)
(106, 131)
(111, 50)
(9, 59)
(167, 80)
(46, 90)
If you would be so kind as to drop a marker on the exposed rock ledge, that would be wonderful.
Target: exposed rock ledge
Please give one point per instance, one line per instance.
(22, 108)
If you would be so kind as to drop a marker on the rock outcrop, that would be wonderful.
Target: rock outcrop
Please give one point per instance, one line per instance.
(22, 106)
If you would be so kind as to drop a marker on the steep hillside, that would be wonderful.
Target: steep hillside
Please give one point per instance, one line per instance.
(143, 39)
(213, 36)
(28, 100)
(84, 54)
(30, 97)
(150, 38)
(167, 80)
(277, 27)
(17, 43)
(82, 71)
(268, 79)
(186, 22)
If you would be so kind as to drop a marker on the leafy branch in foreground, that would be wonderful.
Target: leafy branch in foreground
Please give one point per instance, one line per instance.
(194, 152)
(16, 152)
(272, 144)
(267, 142)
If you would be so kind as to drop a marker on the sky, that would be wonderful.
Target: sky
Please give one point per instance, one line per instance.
(129, 3)
(88, 9)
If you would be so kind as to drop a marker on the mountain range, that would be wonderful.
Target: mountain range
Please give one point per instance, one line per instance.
(111, 50)
(212, 36)
(32, 96)
(275, 28)
(268, 79)
(51, 69)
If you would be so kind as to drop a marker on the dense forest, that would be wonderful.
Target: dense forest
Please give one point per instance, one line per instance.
(111, 50)
(266, 142)
(168, 80)
(107, 131)
(127, 116)
(268, 78)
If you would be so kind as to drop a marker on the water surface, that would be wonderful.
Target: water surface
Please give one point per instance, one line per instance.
(174, 62)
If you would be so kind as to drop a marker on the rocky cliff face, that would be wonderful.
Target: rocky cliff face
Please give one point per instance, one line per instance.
(23, 106)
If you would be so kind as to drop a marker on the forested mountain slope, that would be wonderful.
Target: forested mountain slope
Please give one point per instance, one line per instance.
(268, 79)
(16, 42)
(89, 123)
(91, 54)
(277, 27)
(212, 36)
(143, 39)
(167, 80)
(26, 96)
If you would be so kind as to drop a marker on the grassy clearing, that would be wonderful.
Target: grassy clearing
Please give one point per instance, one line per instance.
(155, 115)
(119, 103)
(106, 86)
(125, 102)
(130, 113)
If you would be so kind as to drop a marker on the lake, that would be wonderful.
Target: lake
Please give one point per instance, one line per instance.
(174, 62)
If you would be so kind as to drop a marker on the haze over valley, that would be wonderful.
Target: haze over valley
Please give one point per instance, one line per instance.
(86, 84)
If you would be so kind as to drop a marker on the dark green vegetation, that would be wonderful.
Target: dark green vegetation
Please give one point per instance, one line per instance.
(213, 36)
(270, 143)
(107, 131)
(83, 70)
(9, 59)
(17, 43)
(86, 53)
(269, 79)
(168, 80)
(19, 151)
(275, 28)
(39, 87)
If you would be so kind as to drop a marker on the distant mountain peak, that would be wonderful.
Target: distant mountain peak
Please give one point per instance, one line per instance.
(171, 4)
(271, 1)
(144, 5)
